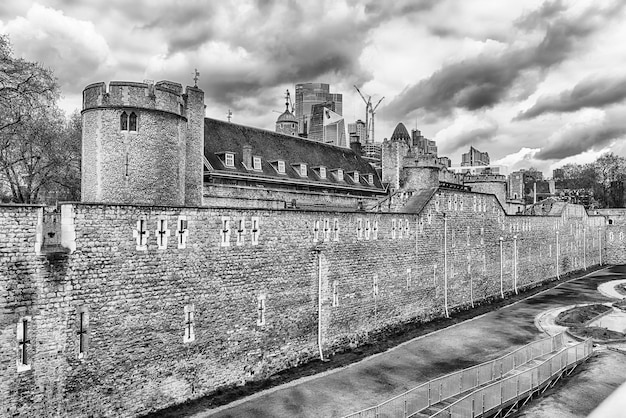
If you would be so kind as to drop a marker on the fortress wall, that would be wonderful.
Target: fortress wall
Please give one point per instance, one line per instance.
(136, 358)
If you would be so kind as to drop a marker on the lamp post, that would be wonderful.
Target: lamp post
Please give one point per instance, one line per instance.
(501, 269)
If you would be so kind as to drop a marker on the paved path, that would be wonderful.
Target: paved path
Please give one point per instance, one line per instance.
(608, 289)
(382, 376)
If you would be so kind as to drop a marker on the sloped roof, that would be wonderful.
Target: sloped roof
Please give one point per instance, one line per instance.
(220, 137)
(416, 203)
(549, 207)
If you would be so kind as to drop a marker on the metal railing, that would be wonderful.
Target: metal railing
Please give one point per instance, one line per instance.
(445, 387)
(511, 389)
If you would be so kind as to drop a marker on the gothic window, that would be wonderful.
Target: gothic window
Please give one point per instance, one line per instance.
(461, 198)
(367, 229)
(393, 229)
(359, 228)
(24, 344)
(407, 227)
(132, 122)
(474, 203)
(408, 278)
(190, 334)
(449, 202)
(437, 203)
(124, 121)
(399, 228)
(335, 293)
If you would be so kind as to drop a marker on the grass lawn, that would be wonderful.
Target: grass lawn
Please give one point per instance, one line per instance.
(580, 315)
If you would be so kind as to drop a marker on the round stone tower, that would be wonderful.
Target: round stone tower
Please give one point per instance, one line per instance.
(142, 143)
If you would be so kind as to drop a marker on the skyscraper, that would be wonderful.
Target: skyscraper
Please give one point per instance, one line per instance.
(357, 128)
(474, 157)
(309, 94)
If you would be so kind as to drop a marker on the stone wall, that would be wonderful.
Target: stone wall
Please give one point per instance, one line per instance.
(253, 294)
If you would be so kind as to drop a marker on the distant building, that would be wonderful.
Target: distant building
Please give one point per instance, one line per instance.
(287, 123)
(480, 169)
(474, 157)
(327, 125)
(357, 129)
(423, 146)
(310, 94)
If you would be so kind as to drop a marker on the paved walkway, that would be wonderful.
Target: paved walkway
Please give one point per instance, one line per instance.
(385, 375)
(608, 289)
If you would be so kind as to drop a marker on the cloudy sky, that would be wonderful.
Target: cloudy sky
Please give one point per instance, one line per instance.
(534, 83)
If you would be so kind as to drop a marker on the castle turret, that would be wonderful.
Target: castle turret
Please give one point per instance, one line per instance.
(287, 123)
(142, 143)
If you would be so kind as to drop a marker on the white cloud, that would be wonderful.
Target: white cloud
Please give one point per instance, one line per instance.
(71, 47)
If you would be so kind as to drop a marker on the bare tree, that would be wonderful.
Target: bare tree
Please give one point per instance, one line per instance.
(39, 150)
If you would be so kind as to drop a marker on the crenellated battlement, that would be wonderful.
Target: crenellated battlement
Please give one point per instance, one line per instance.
(165, 96)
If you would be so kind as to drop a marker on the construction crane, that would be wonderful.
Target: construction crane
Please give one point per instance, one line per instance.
(370, 112)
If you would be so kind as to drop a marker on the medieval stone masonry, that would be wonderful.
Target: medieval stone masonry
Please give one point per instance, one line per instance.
(122, 324)
(135, 302)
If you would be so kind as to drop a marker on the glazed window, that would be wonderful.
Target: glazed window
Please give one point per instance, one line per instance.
(256, 163)
(229, 160)
(132, 122)
(124, 121)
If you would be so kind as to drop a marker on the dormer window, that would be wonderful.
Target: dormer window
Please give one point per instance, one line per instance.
(370, 178)
(279, 166)
(229, 160)
(355, 176)
(303, 171)
(339, 174)
(256, 163)
(322, 172)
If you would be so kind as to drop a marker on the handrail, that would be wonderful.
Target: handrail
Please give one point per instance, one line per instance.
(587, 346)
(508, 360)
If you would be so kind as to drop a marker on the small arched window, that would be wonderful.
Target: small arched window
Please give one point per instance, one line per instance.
(132, 122)
(124, 121)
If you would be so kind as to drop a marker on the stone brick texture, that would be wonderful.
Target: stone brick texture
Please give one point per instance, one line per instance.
(131, 166)
(137, 362)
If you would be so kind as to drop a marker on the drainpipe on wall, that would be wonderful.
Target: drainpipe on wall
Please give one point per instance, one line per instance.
(584, 247)
(445, 264)
(600, 243)
(515, 263)
(557, 254)
(319, 303)
(501, 269)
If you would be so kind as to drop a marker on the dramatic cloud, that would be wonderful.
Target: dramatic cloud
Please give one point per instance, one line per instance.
(71, 47)
(580, 137)
(593, 92)
(486, 80)
(466, 131)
